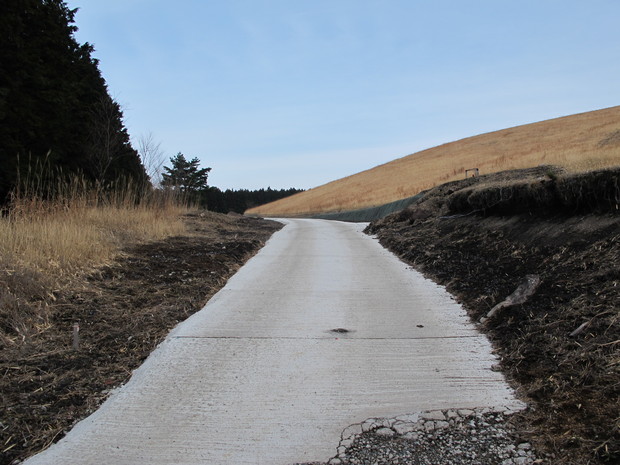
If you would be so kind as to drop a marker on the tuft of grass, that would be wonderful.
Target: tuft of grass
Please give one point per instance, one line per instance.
(577, 143)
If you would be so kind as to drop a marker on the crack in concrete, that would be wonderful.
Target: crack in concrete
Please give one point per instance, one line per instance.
(327, 338)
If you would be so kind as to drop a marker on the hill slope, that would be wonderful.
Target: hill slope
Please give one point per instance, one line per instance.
(578, 143)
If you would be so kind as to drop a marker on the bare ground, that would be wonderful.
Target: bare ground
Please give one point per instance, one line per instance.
(124, 310)
(560, 348)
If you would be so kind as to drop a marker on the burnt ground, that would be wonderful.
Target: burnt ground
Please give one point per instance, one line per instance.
(560, 349)
(124, 311)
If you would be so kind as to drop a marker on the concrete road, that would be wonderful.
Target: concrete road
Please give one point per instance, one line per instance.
(260, 377)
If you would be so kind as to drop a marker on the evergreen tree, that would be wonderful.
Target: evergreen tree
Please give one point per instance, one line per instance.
(185, 176)
(54, 103)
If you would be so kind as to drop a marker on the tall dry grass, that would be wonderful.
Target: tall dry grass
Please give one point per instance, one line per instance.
(582, 142)
(48, 242)
(73, 225)
(66, 241)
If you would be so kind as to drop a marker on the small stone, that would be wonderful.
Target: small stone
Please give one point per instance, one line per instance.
(418, 426)
(525, 446)
(452, 414)
(335, 461)
(434, 415)
(346, 442)
(387, 422)
(368, 425)
(403, 428)
(412, 436)
(385, 432)
(412, 417)
(441, 424)
(465, 412)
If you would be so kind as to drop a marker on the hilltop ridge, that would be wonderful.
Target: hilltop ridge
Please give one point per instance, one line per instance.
(578, 143)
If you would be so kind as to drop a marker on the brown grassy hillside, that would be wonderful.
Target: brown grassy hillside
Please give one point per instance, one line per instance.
(579, 142)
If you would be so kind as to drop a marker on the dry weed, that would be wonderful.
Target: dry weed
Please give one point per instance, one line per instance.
(46, 245)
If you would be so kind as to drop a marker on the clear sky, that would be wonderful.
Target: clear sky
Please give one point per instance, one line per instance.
(296, 93)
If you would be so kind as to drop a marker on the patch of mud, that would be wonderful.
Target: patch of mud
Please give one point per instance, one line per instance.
(124, 311)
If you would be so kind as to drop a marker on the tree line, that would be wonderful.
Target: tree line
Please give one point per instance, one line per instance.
(58, 120)
(55, 108)
(190, 181)
(238, 201)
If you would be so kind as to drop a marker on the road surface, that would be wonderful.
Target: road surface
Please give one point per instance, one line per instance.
(259, 376)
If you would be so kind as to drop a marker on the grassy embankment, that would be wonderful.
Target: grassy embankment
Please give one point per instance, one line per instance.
(578, 143)
(48, 245)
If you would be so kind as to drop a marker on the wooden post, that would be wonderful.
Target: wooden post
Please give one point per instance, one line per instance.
(76, 336)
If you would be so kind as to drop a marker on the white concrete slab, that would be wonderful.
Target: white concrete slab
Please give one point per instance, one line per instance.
(257, 377)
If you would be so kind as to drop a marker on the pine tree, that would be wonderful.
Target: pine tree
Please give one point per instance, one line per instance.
(185, 176)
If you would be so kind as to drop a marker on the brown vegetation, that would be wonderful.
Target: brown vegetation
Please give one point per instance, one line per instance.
(46, 244)
(577, 143)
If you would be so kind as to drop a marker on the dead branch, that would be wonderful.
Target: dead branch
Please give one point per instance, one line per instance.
(519, 296)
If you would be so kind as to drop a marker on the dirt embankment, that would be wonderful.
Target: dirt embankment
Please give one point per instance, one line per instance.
(124, 310)
(484, 237)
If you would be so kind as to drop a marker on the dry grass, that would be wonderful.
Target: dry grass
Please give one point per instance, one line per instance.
(64, 242)
(578, 143)
(46, 245)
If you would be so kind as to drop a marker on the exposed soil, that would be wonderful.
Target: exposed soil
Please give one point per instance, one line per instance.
(124, 311)
(560, 349)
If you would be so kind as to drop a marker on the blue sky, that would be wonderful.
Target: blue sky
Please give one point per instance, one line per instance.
(296, 93)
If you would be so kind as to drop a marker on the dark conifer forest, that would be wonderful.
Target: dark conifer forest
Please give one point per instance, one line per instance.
(57, 118)
(238, 201)
(55, 108)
